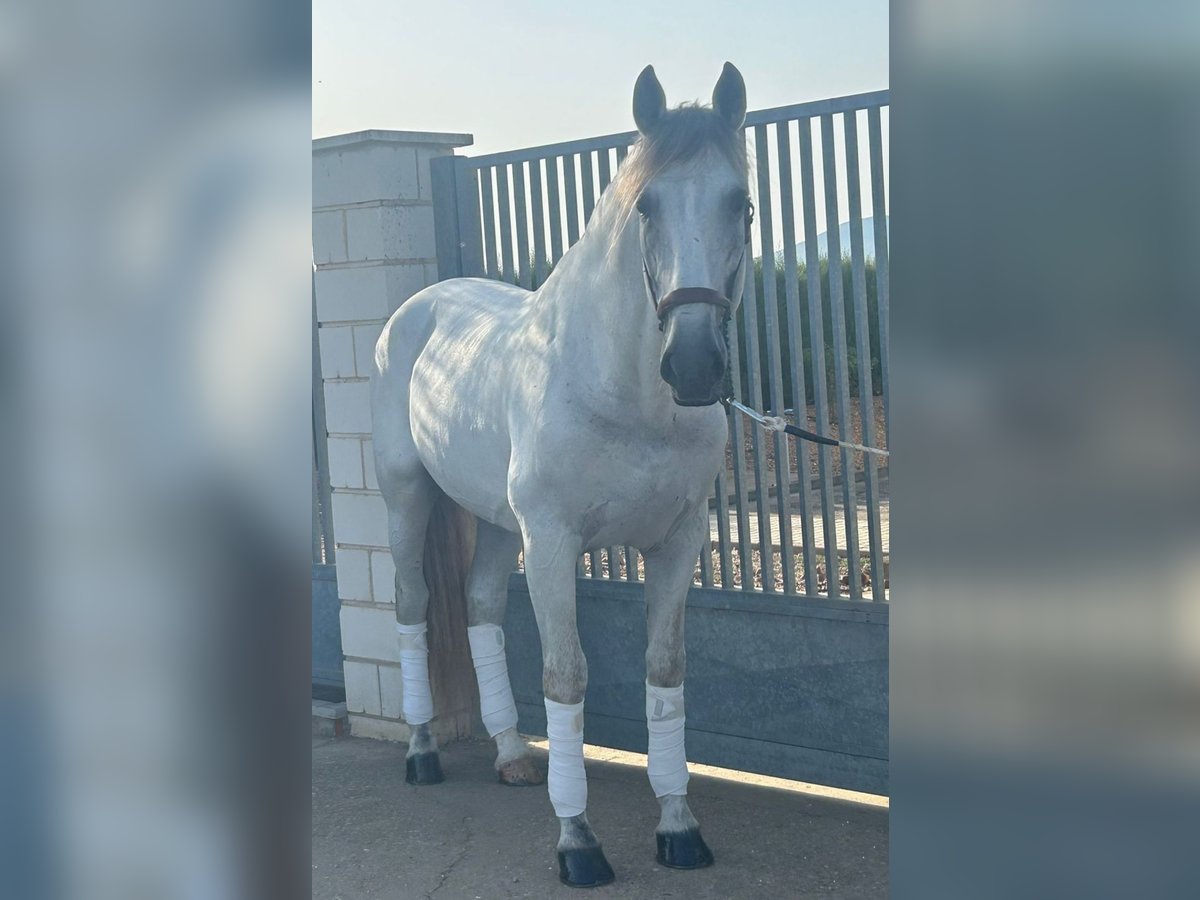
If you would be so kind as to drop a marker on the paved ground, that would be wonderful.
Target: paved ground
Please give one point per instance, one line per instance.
(470, 837)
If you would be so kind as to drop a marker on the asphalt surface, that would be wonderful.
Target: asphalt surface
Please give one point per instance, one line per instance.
(470, 837)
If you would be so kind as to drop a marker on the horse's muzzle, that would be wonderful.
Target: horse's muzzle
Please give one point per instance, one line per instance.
(694, 358)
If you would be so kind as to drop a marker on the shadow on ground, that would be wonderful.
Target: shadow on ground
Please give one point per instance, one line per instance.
(376, 837)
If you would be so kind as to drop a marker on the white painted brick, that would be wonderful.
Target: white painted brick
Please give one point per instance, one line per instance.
(365, 338)
(353, 574)
(379, 729)
(364, 232)
(359, 519)
(406, 279)
(408, 232)
(337, 351)
(345, 463)
(370, 633)
(369, 465)
(362, 687)
(391, 692)
(366, 172)
(383, 576)
(348, 407)
(349, 294)
(390, 232)
(329, 237)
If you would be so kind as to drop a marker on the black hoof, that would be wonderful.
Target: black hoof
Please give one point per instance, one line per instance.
(584, 867)
(683, 850)
(424, 768)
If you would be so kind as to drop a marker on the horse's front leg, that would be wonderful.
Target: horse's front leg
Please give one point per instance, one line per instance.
(550, 555)
(669, 571)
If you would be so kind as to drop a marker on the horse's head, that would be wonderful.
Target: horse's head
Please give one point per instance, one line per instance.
(689, 188)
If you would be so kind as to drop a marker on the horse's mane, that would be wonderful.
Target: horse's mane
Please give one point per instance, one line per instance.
(679, 136)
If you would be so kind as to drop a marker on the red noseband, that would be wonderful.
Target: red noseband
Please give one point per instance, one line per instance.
(687, 295)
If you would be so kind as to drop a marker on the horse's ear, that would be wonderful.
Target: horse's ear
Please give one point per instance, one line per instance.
(649, 101)
(729, 97)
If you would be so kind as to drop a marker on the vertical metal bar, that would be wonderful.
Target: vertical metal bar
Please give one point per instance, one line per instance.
(508, 270)
(521, 214)
(816, 332)
(570, 187)
(469, 217)
(589, 186)
(862, 348)
(490, 267)
(552, 195)
(837, 313)
(539, 222)
(880, 224)
(724, 546)
(737, 451)
(775, 370)
(791, 290)
(749, 311)
(605, 168)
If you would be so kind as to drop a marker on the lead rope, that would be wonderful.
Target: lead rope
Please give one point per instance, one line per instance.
(779, 423)
(776, 423)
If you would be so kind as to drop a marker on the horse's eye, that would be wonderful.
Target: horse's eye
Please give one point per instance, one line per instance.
(643, 206)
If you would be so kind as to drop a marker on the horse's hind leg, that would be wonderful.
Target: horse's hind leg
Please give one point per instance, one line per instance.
(487, 596)
(410, 494)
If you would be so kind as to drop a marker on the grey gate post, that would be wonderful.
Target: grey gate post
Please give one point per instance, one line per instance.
(456, 219)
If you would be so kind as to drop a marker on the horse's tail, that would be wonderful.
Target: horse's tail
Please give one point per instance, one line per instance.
(449, 548)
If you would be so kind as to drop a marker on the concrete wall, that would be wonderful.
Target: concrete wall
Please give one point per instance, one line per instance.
(373, 243)
(795, 687)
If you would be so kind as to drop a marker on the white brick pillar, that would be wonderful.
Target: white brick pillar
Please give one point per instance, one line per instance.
(373, 243)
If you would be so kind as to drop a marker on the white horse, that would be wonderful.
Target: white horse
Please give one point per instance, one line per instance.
(580, 415)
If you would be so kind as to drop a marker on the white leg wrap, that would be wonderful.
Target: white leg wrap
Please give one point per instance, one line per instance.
(414, 671)
(667, 765)
(491, 669)
(566, 779)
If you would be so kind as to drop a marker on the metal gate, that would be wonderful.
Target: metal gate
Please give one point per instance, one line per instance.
(798, 555)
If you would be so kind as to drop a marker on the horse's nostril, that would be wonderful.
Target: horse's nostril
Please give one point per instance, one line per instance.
(667, 369)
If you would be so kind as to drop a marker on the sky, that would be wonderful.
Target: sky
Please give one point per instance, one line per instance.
(517, 73)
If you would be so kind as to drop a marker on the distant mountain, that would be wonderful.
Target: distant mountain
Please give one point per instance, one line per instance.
(868, 227)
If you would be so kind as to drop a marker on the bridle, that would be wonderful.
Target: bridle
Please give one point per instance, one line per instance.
(686, 296)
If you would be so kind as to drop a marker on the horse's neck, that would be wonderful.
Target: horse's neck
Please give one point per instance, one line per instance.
(603, 315)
